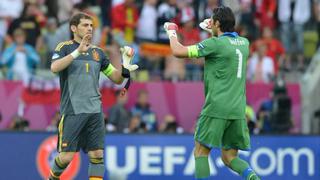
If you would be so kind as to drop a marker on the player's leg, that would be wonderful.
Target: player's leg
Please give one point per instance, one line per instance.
(208, 134)
(237, 137)
(70, 127)
(96, 165)
(231, 159)
(201, 154)
(95, 135)
(60, 163)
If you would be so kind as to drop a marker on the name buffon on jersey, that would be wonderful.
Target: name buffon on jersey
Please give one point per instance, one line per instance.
(238, 42)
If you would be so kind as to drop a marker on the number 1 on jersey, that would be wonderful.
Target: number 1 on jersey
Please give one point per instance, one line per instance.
(87, 67)
(239, 72)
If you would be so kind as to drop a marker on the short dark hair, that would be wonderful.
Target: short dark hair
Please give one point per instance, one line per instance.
(75, 19)
(226, 18)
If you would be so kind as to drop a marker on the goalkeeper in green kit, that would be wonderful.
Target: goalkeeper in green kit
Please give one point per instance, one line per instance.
(221, 123)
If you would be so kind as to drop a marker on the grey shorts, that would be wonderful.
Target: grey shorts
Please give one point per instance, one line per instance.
(81, 131)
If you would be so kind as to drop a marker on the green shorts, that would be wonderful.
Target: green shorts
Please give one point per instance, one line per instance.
(222, 133)
(81, 131)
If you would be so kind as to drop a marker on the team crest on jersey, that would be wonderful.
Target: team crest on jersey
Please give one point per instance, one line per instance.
(200, 46)
(55, 56)
(95, 55)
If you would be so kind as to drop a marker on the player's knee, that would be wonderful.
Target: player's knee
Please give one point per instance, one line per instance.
(201, 151)
(226, 159)
(66, 157)
(96, 154)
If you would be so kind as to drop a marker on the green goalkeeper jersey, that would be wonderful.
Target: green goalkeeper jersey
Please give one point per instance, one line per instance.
(224, 75)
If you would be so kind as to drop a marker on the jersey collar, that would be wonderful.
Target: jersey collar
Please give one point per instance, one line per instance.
(230, 34)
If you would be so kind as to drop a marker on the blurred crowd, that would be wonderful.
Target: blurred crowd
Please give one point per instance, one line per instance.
(278, 32)
(284, 35)
(274, 116)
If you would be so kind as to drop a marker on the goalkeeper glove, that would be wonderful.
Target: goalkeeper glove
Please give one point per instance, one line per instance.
(171, 29)
(127, 55)
(206, 25)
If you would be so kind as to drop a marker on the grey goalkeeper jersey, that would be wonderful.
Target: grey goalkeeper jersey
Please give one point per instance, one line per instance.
(79, 82)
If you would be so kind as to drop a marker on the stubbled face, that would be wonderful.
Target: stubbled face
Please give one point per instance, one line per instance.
(84, 27)
(215, 26)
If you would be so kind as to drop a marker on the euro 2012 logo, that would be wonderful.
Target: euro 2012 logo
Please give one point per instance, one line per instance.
(47, 151)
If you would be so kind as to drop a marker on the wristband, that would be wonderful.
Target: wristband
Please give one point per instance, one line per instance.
(75, 54)
(125, 72)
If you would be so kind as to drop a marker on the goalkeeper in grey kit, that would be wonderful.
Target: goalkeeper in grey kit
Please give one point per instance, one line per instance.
(79, 64)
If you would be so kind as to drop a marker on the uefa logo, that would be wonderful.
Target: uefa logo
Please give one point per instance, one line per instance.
(45, 157)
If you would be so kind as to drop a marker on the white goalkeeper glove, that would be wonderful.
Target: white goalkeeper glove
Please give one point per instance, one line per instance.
(206, 25)
(127, 56)
(171, 29)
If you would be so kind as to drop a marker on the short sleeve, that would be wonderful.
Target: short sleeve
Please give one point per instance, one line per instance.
(203, 48)
(104, 61)
(59, 52)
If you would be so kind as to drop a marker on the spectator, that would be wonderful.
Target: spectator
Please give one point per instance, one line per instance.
(281, 121)
(247, 19)
(147, 26)
(124, 20)
(264, 116)
(274, 115)
(142, 109)
(136, 126)
(275, 49)
(65, 10)
(9, 9)
(292, 16)
(167, 12)
(260, 66)
(28, 22)
(316, 9)
(63, 32)
(203, 8)
(170, 125)
(251, 120)
(190, 35)
(235, 6)
(264, 13)
(119, 116)
(51, 39)
(19, 124)
(20, 57)
(105, 6)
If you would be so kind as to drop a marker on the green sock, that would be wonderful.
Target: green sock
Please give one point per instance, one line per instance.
(202, 167)
(241, 167)
(57, 169)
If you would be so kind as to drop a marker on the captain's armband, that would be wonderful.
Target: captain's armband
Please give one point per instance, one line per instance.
(193, 51)
(108, 71)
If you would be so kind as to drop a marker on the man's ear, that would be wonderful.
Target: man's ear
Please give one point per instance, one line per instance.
(73, 28)
(216, 24)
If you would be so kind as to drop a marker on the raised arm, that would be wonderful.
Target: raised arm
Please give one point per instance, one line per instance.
(62, 63)
(177, 48)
